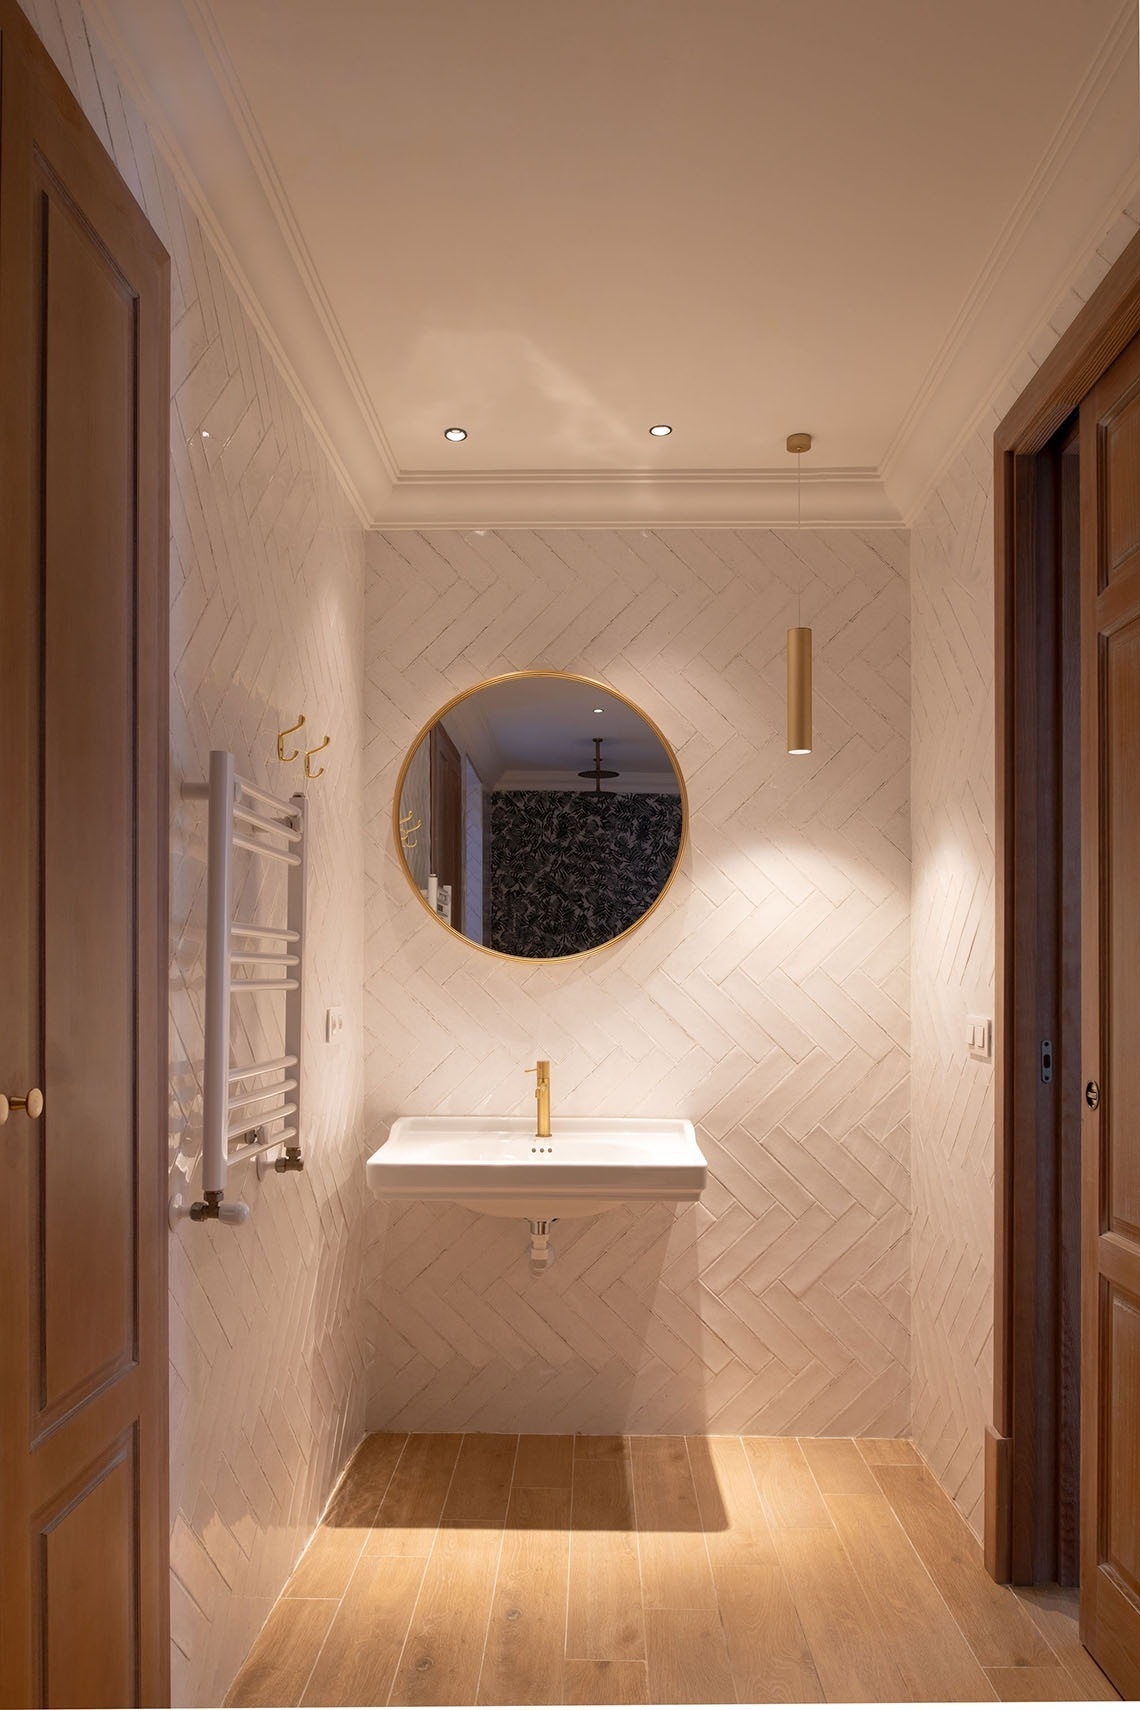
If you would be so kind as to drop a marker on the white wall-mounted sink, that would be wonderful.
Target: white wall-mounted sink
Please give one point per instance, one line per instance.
(496, 1164)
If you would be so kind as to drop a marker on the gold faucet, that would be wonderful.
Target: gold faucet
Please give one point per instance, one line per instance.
(541, 1071)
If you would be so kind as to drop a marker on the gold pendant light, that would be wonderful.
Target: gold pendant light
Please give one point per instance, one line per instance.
(799, 640)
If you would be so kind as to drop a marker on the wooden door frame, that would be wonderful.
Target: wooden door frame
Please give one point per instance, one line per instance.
(1021, 1484)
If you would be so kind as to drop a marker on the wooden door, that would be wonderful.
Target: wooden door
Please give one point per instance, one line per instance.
(447, 818)
(1110, 717)
(84, 399)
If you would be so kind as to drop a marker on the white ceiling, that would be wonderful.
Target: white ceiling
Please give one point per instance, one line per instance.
(557, 223)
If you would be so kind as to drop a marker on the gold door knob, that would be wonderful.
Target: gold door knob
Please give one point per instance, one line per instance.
(32, 1102)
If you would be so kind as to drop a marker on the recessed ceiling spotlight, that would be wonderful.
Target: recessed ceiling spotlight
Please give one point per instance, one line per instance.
(598, 709)
(660, 430)
(455, 433)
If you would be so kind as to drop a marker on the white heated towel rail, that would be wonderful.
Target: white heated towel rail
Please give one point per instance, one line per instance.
(246, 1102)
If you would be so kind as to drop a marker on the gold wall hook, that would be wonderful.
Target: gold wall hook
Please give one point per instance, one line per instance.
(282, 734)
(309, 752)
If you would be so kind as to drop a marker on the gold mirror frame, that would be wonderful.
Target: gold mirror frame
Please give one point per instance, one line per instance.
(519, 677)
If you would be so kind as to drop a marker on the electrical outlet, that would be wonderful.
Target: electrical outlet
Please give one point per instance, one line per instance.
(979, 1037)
(334, 1024)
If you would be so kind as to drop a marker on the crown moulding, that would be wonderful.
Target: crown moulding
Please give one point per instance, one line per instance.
(171, 61)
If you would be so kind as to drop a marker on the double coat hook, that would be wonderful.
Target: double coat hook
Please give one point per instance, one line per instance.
(309, 752)
(296, 754)
(282, 734)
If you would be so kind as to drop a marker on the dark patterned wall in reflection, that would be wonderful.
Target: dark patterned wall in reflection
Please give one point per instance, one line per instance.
(569, 870)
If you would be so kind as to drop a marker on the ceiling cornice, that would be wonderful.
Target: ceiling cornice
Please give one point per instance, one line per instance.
(1081, 185)
(172, 60)
(725, 498)
(163, 62)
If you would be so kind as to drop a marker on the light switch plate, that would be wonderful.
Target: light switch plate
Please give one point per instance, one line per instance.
(980, 1037)
(334, 1024)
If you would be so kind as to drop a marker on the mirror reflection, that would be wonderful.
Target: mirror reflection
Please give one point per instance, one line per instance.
(541, 815)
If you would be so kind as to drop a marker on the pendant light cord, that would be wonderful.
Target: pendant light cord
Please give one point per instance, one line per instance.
(799, 528)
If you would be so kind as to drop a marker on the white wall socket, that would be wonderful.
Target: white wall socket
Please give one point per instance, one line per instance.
(334, 1023)
(980, 1037)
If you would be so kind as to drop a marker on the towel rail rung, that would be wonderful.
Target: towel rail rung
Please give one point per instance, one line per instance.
(259, 1093)
(245, 1123)
(246, 929)
(265, 985)
(254, 848)
(268, 958)
(257, 794)
(278, 827)
(267, 1068)
(240, 1153)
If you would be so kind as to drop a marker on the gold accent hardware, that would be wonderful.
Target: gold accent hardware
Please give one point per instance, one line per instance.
(799, 691)
(32, 1103)
(799, 638)
(603, 689)
(542, 1093)
(407, 839)
(309, 752)
(282, 734)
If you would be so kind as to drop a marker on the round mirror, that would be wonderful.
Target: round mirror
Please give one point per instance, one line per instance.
(540, 815)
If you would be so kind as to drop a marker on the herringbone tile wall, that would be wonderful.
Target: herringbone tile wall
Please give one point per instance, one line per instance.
(266, 573)
(952, 821)
(767, 998)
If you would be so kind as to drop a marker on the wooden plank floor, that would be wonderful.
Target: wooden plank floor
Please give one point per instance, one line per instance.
(659, 1570)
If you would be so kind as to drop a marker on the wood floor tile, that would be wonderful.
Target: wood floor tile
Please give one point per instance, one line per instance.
(609, 1570)
(335, 1547)
(600, 1449)
(1044, 1683)
(409, 1514)
(999, 1631)
(357, 1662)
(686, 1658)
(737, 1535)
(675, 1571)
(444, 1648)
(888, 1451)
(589, 1681)
(481, 1484)
(544, 1463)
(789, 1494)
(768, 1651)
(850, 1654)
(604, 1614)
(1055, 1610)
(526, 1633)
(925, 1640)
(278, 1667)
(837, 1466)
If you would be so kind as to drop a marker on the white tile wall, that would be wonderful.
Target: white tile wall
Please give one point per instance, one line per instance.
(952, 788)
(767, 998)
(267, 1344)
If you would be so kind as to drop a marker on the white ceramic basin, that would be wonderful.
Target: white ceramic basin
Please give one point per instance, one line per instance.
(496, 1164)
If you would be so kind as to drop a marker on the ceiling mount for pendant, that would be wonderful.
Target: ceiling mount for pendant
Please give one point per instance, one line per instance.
(799, 442)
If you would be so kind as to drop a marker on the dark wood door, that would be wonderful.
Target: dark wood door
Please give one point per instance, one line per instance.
(1110, 718)
(447, 829)
(84, 353)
